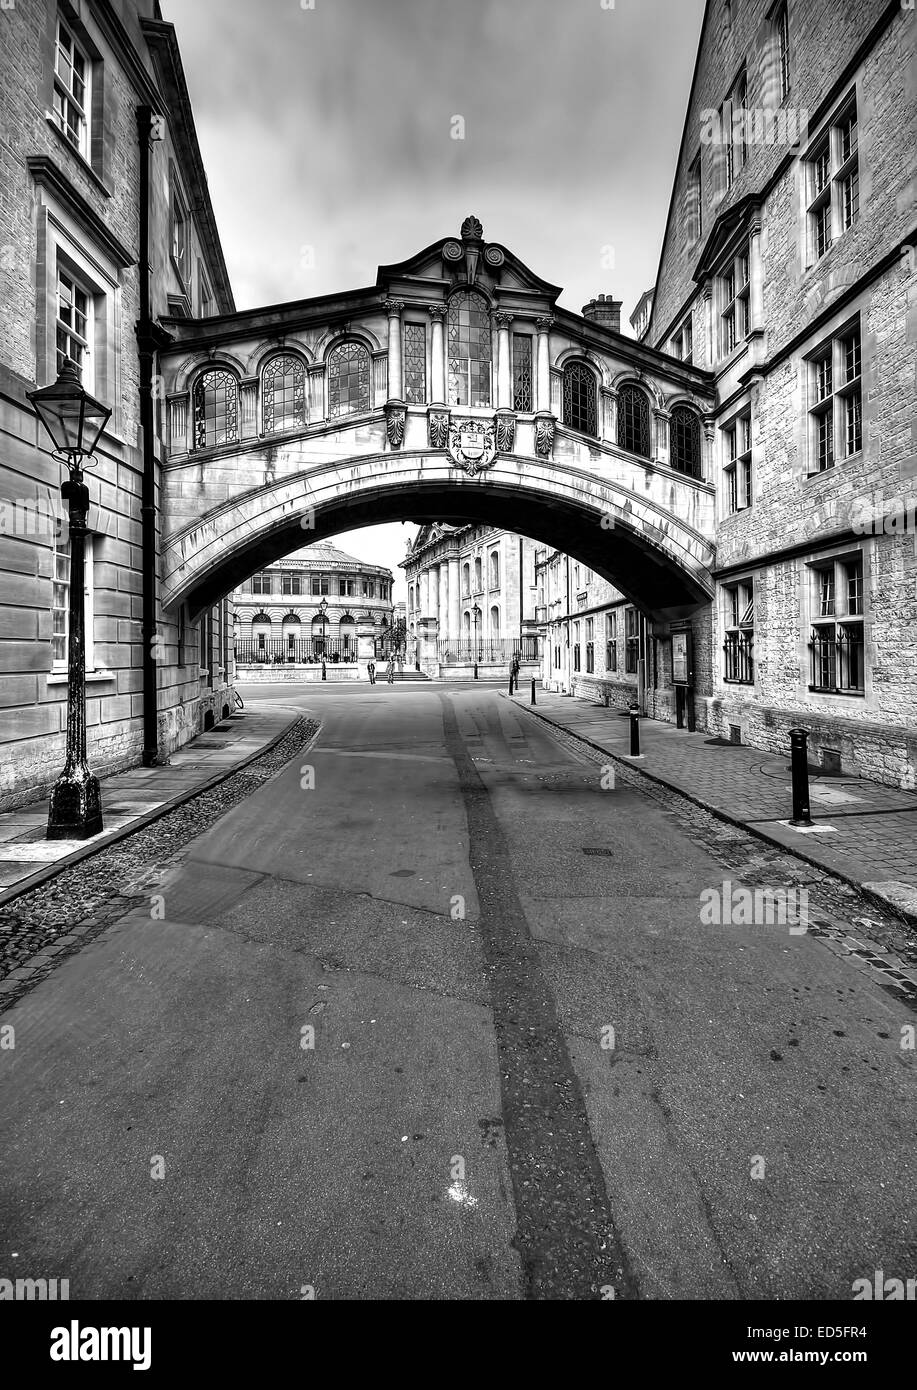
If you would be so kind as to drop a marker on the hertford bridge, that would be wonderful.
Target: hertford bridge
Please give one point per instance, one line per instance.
(453, 389)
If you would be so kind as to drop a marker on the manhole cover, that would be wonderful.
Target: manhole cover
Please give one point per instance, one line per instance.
(609, 853)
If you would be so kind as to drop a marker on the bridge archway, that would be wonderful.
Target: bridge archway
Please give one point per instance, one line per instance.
(640, 543)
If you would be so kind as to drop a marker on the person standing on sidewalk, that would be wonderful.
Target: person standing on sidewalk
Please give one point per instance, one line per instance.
(391, 670)
(371, 671)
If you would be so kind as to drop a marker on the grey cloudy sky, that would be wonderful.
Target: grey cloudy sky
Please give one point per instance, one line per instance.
(326, 133)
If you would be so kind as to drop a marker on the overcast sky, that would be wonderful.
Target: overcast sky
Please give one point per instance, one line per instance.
(327, 136)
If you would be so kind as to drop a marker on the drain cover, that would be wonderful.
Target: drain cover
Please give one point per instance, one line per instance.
(608, 852)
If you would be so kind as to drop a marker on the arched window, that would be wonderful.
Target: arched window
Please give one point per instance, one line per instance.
(216, 409)
(348, 380)
(478, 580)
(469, 349)
(292, 634)
(495, 621)
(283, 394)
(466, 624)
(684, 441)
(580, 411)
(466, 579)
(634, 420)
(261, 634)
(495, 569)
(347, 632)
(319, 634)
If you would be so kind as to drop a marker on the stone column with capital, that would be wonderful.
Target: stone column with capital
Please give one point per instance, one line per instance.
(444, 629)
(504, 386)
(394, 308)
(708, 323)
(248, 407)
(437, 354)
(756, 291)
(543, 371)
(455, 599)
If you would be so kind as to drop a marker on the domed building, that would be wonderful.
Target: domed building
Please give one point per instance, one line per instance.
(304, 609)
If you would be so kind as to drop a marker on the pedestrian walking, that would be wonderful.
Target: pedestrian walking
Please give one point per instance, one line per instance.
(391, 670)
(371, 669)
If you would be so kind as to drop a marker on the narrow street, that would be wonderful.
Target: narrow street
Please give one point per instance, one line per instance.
(433, 1014)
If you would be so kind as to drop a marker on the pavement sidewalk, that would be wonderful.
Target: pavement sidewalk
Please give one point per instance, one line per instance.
(141, 794)
(864, 832)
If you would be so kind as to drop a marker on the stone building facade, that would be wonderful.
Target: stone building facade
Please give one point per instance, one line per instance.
(471, 599)
(72, 81)
(789, 270)
(306, 608)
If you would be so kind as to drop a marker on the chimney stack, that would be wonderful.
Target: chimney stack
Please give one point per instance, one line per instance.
(604, 310)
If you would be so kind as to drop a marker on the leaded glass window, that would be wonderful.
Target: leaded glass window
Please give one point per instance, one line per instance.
(283, 395)
(415, 363)
(469, 349)
(685, 441)
(634, 421)
(579, 398)
(348, 380)
(216, 409)
(522, 372)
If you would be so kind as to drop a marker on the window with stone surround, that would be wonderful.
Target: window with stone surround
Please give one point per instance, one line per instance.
(739, 624)
(74, 328)
(579, 399)
(733, 134)
(320, 584)
(469, 349)
(737, 468)
(216, 409)
(72, 90)
(780, 50)
(290, 583)
(179, 230)
(523, 396)
(60, 603)
(590, 645)
(576, 645)
(837, 644)
(611, 641)
(348, 380)
(634, 420)
(694, 213)
(262, 583)
(835, 400)
(631, 640)
(833, 181)
(283, 394)
(466, 580)
(415, 363)
(685, 447)
(735, 299)
(681, 344)
(495, 569)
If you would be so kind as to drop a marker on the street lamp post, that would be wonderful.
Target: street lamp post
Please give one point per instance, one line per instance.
(75, 421)
(476, 614)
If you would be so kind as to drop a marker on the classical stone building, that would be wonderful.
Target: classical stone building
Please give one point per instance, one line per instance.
(471, 599)
(97, 134)
(788, 271)
(306, 608)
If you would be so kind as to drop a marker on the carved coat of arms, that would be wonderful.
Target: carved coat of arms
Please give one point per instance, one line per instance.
(472, 445)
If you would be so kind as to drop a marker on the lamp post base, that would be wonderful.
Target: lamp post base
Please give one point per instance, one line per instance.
(75, 810)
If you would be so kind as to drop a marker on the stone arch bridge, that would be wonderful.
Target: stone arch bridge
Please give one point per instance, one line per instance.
(454, 389)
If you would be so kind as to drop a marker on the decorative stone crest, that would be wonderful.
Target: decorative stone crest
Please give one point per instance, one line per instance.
(544, 435)
(395, 418)
(472, 230)
(472, 445)
(438, 427)
(494, 256)
(452, 251)
(505, 432)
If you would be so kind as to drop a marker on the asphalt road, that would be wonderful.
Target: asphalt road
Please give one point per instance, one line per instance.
(358, 1047)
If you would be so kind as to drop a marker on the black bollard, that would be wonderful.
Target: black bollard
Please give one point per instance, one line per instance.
(799, 760)
(634, 731)
(475, 670)
(533, 690)
(510, 682)
(324, 672)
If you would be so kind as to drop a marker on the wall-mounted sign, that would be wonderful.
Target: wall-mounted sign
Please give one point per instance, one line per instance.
(682, 673)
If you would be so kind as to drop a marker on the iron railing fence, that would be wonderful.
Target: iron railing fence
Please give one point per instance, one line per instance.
(740, 662)
(305, 651)
(465, 651)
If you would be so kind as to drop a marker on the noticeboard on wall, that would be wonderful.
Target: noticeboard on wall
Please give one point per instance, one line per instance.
(682, 659)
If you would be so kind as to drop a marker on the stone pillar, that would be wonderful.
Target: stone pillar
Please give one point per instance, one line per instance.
(444, 628)
(424, 604)
(609, 422)
(455, 599)
(433, 611)
(504, 381)
(426, 646)
(543, 370)
(755, 277)
(661, 431)
(438, 355)
(709, 327)
(394, 307)
(248, 408)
